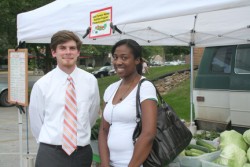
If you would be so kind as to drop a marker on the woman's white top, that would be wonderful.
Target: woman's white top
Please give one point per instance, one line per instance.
(121, 118)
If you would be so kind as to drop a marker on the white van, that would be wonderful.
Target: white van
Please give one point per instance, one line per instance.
(222, 88)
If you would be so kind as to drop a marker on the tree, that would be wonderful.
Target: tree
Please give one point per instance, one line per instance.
(98, 52)
(8, 32)
(149, 51)
(174, 52)
(8, 15)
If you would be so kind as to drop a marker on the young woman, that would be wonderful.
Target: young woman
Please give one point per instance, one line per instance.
(116, 146)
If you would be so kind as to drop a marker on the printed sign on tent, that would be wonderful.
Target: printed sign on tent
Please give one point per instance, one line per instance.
(100, 22)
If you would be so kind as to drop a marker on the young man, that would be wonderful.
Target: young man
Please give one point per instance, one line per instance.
(64, 105)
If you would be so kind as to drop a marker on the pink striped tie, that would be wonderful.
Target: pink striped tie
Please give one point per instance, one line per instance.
(70, 119)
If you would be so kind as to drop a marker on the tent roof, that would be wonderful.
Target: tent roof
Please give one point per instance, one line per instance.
(161, 22)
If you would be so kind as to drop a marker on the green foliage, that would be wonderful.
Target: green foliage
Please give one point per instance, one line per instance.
(8, 15)
(32, 64)
(207, 135)
(95, 130)
(95, 50)
(104, 82)
(174, 52)
(149, 51)
(157, 71)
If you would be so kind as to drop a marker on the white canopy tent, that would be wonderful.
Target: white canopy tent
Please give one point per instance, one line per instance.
(161, 22)
(195, 23)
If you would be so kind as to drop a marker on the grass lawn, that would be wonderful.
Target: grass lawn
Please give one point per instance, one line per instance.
(178, 98)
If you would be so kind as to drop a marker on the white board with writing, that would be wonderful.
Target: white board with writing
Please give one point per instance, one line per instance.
(18, 76)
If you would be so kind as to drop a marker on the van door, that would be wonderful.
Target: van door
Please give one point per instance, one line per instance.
(212, 85)
(240, 87)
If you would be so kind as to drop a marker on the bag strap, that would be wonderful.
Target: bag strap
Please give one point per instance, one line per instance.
(138, 104)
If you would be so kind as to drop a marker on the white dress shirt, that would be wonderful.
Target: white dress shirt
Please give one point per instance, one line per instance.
(47, 101)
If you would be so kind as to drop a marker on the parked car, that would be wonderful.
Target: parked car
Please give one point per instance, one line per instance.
(112, 71)
(4, 89)
(102, 72)
(4, 95)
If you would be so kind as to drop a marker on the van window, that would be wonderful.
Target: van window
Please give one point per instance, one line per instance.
(242, 59)
(221, 62)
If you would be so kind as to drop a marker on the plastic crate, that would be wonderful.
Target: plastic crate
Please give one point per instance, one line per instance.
(195, 161)
(174, 164)
(209, 161)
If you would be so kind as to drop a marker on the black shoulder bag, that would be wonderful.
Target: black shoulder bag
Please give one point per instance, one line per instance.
(172, 135)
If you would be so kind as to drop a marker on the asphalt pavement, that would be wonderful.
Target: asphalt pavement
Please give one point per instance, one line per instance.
(10, 124)
(14, 126)
(15, 133)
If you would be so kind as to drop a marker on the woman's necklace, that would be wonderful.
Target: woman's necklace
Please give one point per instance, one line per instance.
(121, 98)
(127, 90)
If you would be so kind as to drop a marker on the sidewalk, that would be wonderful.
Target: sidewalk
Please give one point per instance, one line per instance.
(9, 138)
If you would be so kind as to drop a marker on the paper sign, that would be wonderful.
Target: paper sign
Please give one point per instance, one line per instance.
(18, 76)
(100, 22)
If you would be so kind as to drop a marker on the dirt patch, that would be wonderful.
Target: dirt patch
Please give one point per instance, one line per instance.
(166, 84)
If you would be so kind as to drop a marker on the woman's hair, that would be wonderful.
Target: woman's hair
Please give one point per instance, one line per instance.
(64, 36)
(135, 48)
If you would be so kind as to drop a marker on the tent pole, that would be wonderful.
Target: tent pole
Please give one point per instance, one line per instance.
(192, 44)
(20, 124)
(191, 84)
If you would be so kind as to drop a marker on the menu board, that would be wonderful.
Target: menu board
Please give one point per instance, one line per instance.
(18, 76)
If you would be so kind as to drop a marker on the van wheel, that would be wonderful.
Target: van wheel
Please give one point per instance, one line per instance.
(4, 99)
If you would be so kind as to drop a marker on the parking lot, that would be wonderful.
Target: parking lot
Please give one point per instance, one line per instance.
(10, 123)
(10, 144)
(9, 138)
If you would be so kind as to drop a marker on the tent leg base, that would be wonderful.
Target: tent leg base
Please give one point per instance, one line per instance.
(28, 161)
